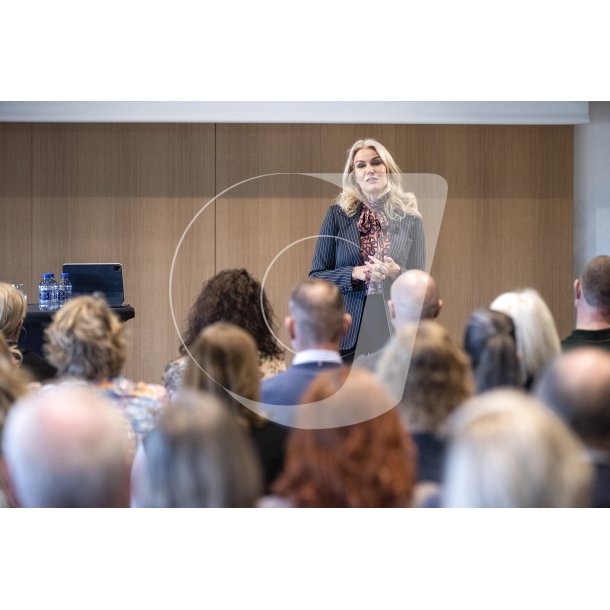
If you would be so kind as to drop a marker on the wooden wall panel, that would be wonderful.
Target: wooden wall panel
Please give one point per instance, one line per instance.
(125, 193)
(16, 205)
(508, 218)
(507, 222)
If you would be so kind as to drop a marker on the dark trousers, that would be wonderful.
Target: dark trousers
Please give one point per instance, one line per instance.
(375, 329)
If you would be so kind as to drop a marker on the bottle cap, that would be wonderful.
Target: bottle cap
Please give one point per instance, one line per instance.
(64, 275)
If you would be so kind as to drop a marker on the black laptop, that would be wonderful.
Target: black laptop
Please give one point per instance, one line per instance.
(88, 278)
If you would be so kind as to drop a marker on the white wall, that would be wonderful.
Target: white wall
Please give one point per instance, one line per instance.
(592, 185)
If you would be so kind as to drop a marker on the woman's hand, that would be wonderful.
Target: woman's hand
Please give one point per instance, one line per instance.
(380, 270)
(393, 267)
(361, 273)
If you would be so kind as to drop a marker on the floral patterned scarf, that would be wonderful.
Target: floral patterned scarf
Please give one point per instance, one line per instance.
(374, 236)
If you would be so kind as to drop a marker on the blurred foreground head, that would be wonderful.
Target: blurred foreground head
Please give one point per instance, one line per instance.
(66, 447)
(577, 387)
(508, 450)
(198, 456)
(367, 464)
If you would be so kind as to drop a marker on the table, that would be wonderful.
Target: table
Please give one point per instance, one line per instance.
(36, 321)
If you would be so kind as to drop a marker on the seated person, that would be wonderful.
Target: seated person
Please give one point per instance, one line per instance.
(429, 377)
(86, 341)
(316, 323)
(67, 447)
(576, 386)
(198, 456)
(592, 303)
(234, 296)
(12, 314)
(332, 462)
(507, 450)
(489, 340)
(13, 385)
(535, 331)
(225, 363)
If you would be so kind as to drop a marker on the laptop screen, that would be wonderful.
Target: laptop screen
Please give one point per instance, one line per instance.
(88, 278)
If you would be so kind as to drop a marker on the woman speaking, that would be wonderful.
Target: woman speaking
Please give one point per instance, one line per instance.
(371, 234)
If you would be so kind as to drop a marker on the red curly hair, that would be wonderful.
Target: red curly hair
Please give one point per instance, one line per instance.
(365, 465)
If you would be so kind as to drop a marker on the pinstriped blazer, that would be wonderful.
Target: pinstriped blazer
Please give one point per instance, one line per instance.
(337, 252)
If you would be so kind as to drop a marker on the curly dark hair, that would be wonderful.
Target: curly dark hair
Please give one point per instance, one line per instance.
(234, 296)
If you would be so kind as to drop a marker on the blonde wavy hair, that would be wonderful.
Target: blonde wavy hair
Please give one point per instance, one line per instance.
(398, 203)
(13, 383)
(537, 337)
(12, 313)
(86, 340)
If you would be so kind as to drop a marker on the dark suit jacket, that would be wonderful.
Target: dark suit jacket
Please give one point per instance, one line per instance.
(338, 252)
(287, 388)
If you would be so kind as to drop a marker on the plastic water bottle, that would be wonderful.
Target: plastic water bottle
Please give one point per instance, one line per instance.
(54, 292)
(65, 290)
(44, 293)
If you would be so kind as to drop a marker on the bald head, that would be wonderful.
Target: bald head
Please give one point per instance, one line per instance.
(317, 318)
(414, 296)
(577, 387)
(67, 447)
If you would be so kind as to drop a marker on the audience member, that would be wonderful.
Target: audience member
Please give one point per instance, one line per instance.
(12, 314)
(225, 363)
(428, 376)
(489, 340)
(198, 456)
(86, 341)
(316, 323)
(414, 297)
(13, 385)
(592, 303)
(233, 296)
(366, 464)
(6, 354)
(537, 338)
(66, 447)
(507, 450)
(577, 387)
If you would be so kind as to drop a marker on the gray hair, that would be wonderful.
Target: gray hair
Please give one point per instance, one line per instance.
(537, 339)
(507, 450)
(198, 456)
(67, 447)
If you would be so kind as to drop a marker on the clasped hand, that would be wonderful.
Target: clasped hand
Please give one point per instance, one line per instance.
(376, 270)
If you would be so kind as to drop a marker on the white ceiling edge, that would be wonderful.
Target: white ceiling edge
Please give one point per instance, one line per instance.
(468, 113)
